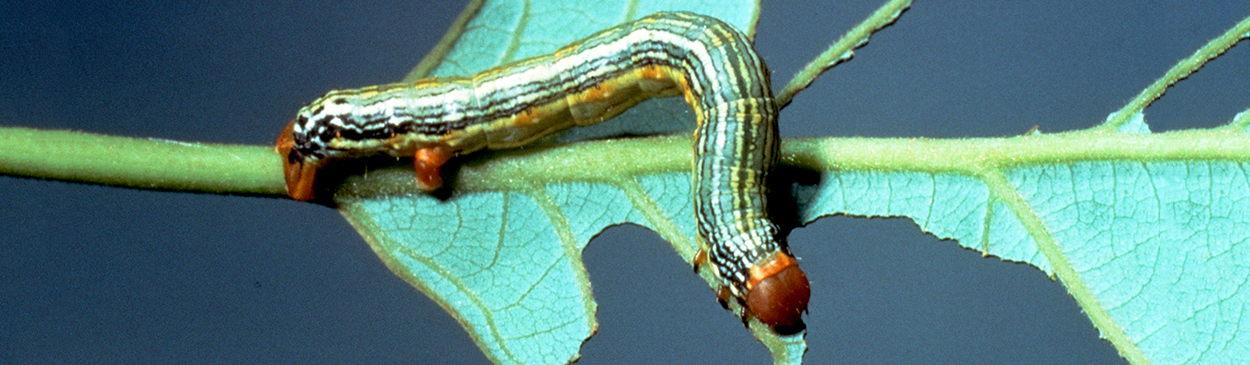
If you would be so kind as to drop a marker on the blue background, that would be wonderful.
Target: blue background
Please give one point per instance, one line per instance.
(92, 274)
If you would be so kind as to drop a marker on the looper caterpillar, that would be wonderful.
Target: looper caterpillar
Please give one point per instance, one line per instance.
(666, 54)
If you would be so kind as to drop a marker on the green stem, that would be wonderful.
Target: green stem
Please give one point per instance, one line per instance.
(843, 49)
(140, 163)
(254, 170)
(1180, 71)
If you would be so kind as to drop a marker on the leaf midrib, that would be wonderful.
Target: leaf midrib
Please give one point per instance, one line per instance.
(607, 161)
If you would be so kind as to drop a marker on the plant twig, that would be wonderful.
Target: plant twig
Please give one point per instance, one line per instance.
(843, 49)
(154, 164)
(1180, 71)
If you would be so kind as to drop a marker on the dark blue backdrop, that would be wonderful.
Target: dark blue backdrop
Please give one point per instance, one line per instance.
(92, 274)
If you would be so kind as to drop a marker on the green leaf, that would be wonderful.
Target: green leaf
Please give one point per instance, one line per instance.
(1104, 212)
(1109, 215)
(509, 240)
(1148, 232)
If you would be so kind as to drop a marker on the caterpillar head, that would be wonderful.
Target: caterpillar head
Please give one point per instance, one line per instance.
(299, 173)
(778, 291)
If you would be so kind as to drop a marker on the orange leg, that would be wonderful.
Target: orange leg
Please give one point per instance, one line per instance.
(428, 161)
(700, 259)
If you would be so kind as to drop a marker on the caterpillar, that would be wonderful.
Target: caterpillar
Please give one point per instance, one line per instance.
(710, 63)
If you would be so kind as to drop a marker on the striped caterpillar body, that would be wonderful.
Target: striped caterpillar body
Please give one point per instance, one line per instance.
(666, 54)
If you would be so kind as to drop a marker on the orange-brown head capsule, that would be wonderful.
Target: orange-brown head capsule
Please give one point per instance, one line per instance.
(778, 291)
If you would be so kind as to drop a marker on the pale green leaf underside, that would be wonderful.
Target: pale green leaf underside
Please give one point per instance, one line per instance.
(506, 31)
(1162, 247)
(507, 260)
(1147, 231)
(1152, 226)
